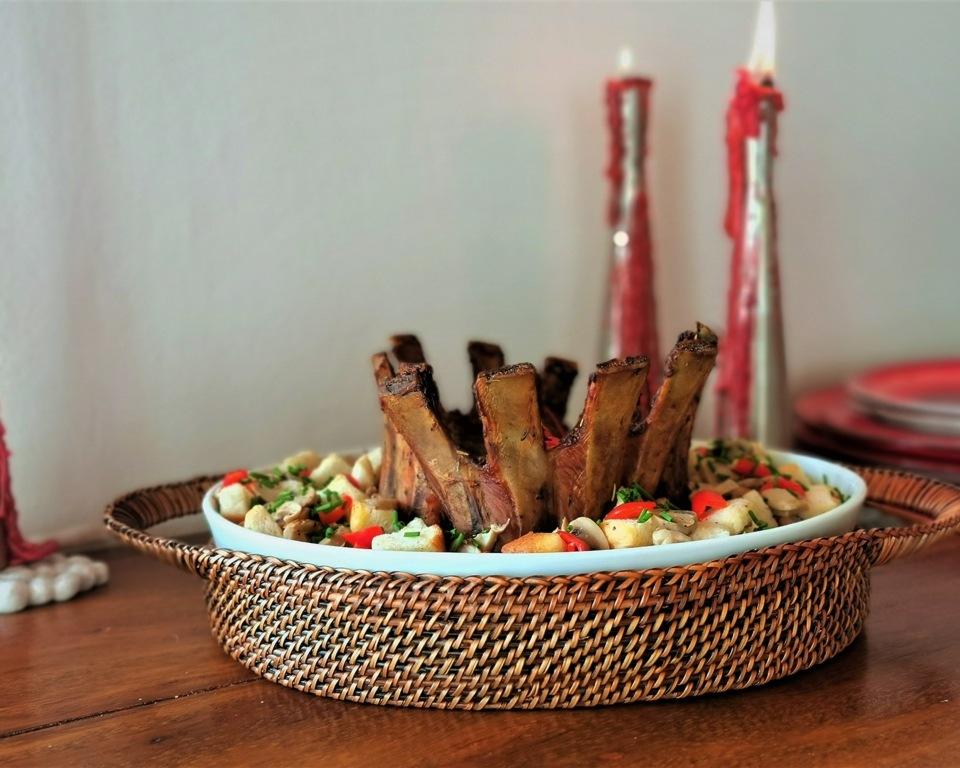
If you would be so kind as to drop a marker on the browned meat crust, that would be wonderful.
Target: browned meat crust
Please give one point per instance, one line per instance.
(484, 356)
(516, 459)
(687, 368)
(556, 381)
(588, 463)
(407, 350)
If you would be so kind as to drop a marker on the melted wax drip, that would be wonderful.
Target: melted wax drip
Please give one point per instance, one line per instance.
(733, 386)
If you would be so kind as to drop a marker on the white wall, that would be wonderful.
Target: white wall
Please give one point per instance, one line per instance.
(212, 214)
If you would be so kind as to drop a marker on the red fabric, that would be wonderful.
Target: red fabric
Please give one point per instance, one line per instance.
(19, 550)
(733, 384)
(633, 310)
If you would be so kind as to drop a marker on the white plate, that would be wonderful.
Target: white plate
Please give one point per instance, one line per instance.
(229, 535)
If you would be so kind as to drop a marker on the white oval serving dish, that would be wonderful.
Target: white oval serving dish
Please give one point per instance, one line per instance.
(228, 535)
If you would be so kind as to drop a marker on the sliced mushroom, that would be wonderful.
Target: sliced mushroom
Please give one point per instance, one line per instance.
(299, 530)
(665, 536)
(590, 532)
(783, 502)
(680, 522)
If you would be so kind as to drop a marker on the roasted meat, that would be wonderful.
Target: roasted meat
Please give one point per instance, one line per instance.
(401, 477)
(687, 367)
(512, 433)
(556, 380)
(588, 463)
(407, 349)
(472, 499)
(484, 356)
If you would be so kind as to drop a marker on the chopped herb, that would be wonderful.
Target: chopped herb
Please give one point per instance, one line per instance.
(634, 492)
(644, 516)
(712, 465)
(294, 470)
(265, 480)
(257, 500)
(666, 516)
(761, 526)
(282, 499)
(457, 541)
(411, 534)
(330, 500)
(329, 532)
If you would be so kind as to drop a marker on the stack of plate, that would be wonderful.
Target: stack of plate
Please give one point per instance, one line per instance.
(905, 416)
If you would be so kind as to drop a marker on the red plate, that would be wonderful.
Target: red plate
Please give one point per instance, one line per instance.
(831, 411)
(930, 388)
(820, 443)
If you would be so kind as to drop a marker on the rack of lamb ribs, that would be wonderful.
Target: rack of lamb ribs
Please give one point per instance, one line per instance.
(510, 463)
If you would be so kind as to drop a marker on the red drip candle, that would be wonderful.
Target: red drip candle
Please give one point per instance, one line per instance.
(631, 327)
(14, 549)
(751, 386)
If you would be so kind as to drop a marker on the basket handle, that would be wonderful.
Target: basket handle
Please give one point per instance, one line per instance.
(129, 516)
(935, 504)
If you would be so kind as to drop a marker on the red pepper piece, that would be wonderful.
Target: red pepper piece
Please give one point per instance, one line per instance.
(786, 483)
(704, 502)
(363, 539)
(573, 543)
(703, 450)
(336, 515)
(630, 511)
(762, 470)
(237, 476)
(354, 482)
(744, 467)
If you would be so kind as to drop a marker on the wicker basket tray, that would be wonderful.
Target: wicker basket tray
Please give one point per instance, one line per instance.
(561, 641)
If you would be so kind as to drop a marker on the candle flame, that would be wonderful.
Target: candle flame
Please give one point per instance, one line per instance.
(625, 60)
(764, 41)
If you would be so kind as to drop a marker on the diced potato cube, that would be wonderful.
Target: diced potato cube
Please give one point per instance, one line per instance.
(259, 520)
(760, 509)
(341, 484)
(535, 542)
(234, 502)
(331, 466)
(362, 472)
(363, 515)
(375, 457)
(427, 539)
(309, 460)
(622, 534)
(707, 530)
(735, 517)
(820, 499)
(794, 472)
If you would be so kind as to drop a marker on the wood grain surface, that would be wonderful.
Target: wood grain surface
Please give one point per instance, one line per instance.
(129, 675)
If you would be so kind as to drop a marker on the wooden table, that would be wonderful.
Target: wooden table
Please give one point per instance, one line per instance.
(129, 675)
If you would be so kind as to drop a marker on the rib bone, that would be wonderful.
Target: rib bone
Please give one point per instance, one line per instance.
(588, 463)
(510, 413)
(687, 368)
(472, 500)
(555, 384)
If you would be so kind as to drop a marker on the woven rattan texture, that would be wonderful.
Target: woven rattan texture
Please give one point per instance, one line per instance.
(588, 640)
